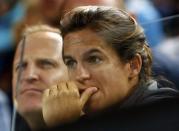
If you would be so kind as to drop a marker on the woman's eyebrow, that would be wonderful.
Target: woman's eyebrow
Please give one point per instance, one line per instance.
(67, 57)
(93, 50)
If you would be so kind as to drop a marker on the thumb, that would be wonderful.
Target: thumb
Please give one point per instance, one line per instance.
(86, 94)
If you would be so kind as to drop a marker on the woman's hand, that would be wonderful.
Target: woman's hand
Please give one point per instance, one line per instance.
(63, 103)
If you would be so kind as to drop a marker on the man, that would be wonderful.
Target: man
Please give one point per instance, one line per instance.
(41, 67)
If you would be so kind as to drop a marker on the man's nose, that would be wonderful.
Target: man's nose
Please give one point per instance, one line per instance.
(82, 74)
(30, 74)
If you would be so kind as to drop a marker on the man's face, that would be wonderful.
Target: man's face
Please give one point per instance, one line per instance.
(93, 63)
(42, 67)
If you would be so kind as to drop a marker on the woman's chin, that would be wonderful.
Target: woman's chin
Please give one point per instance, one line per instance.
(91, 107)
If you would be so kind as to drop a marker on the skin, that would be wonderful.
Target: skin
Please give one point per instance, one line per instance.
(63, 103)
(93, 63)
(99, 79)
(42, 67)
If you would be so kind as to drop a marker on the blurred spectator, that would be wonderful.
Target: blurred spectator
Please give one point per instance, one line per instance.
(145, 14)
(166, 60)
(166, 54)
(5, 119)
(32, 16)
(53, 10)
(10, 13)
(50, 11)
(169, 8)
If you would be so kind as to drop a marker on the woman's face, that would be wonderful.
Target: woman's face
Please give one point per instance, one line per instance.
(93, 63)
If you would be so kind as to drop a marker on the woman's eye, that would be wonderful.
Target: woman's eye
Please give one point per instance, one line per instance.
(94, 60)
(70, 63)
(47, 65)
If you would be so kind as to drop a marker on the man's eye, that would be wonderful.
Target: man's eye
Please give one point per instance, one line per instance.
(46, 64)
(94, 60)
(70, 63)
(20, 66)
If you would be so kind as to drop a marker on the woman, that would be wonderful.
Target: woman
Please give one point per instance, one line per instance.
(109, 64)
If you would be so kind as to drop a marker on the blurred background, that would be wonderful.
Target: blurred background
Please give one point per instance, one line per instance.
(159, 18)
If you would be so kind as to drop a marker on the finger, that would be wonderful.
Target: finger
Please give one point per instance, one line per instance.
(53, 90)
(72, 87)
(86, 95)
(82, 113)
(62, 86)
(45, 93)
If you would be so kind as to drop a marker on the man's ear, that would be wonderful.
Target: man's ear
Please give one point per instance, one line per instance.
(135, 66)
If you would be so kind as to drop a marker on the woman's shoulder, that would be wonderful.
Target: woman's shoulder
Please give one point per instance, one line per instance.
(151, 92)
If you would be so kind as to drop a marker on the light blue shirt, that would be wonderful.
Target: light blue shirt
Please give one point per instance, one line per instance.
(5, 116)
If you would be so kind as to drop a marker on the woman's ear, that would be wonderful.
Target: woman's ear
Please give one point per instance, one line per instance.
(135, 66)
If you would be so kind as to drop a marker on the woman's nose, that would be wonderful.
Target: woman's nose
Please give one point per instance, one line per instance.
(82, 74)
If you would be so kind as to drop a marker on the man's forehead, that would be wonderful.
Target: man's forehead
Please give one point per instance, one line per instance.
(43, 44)
(44, 35)
(41, 35)
(41, 39)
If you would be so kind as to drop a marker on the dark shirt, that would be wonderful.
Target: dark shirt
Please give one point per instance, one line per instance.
(150, 108)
